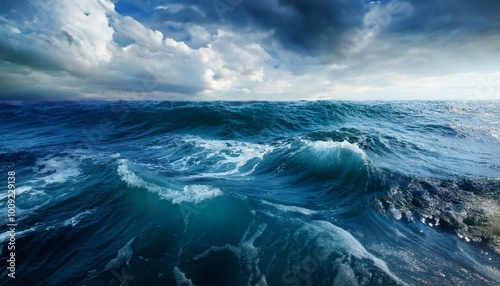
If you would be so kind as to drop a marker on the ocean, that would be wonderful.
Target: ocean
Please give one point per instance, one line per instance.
(250, 193)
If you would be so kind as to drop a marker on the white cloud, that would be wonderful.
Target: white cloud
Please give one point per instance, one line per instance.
(88, 49)
(231, 61)
(175, 8)
(81, 39)
(77, 35)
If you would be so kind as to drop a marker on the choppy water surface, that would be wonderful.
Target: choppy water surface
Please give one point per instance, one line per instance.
(259, 193)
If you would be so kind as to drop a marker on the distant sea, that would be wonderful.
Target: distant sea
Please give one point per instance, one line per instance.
(252, 193)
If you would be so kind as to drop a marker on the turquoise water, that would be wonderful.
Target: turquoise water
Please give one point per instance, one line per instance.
(254, 193)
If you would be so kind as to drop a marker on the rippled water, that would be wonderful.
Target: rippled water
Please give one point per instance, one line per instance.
(255, 193)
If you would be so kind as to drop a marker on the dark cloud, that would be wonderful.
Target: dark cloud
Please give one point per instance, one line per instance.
(320, 27)
(141, 85)
(28, 56)
(446, 16)
(36, 94)
(271, 47)
(310, 27)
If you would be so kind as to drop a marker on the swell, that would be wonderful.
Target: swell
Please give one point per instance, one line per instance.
(162, 117)
(319, 167)
(74, 205)
(100, 123)
(260, 186)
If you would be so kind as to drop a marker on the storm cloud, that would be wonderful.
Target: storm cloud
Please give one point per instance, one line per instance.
(309, 27)
(250, 49)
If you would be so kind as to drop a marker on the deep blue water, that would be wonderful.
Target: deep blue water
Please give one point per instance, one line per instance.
(255, 193)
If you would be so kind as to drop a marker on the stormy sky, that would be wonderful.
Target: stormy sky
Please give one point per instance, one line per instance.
(250, 49)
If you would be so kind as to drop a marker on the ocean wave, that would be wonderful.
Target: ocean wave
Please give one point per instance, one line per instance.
(168, 190)
(56, 169)
(335, 241)
(323, 161)
(259, 193)
(226, 158)
(220, 157)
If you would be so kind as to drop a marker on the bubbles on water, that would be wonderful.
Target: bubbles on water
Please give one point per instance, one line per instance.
(345, 275)
(168, 190)
(180, 278)
(209, 158)
(56, 169)
(495, 133)
(73, 221)
(216, 158)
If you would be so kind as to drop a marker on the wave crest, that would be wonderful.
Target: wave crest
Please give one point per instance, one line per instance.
(167, 190)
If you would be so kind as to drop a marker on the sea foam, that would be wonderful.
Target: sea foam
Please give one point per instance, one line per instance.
(188, 193)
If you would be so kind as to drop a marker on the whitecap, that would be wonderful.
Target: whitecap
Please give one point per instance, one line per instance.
(323, 146)
(192, 194)
(189, 193)
(56, 169)
(230, 157)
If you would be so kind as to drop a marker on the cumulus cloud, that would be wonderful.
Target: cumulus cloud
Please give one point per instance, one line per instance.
(84, 41)
(247, 49)
(60, 36)
(310, 27)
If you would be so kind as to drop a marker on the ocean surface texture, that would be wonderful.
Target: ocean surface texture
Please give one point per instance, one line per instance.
(255, 193)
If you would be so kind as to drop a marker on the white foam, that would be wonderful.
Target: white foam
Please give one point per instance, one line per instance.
(22, 189)
(58, 169)
(230, 154)
(123, 257)
(329, 145)
(215, 248)
(221, 158)
(246, 252)
(495, 133)
(190, 193)
(132, 179)
(262, 282)
(247, 246)
(345, 276)
(76, 219)
(332, 239)
(180, 278)
(5, 236)
(284, 208)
